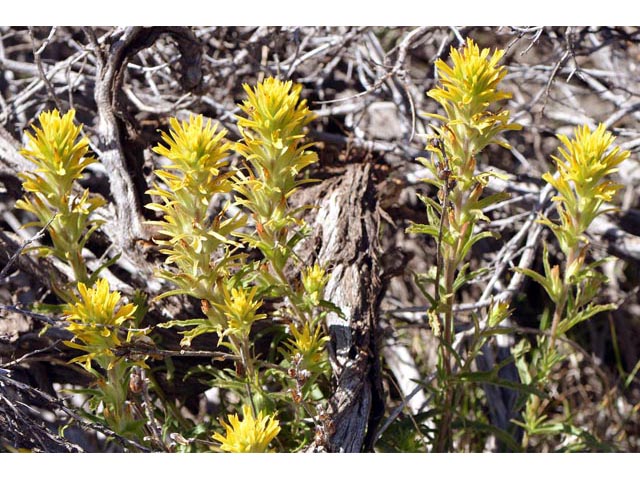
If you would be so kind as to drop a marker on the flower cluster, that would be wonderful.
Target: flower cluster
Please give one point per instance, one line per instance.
(196, 241)
(250, 435)
(101, 326)
(274, 146)
(468, 91)
(583, 166)
(60, 157)
(584, 163)
(95, 319)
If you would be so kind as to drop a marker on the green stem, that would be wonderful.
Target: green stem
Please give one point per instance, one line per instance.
(166, 403)
(291, 294)
(558, 313)
(444, 433)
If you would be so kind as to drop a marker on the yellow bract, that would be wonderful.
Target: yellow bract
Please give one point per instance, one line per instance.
(241, 309)
(471, 83)
(468, 91)
(94, 320)
(314, 280)
(194, 236)
(274, 111)
(249, 435)
(583, 165)
(273, 143)
(59, 153)
(309, 342)
(60, 157)
(196, 149)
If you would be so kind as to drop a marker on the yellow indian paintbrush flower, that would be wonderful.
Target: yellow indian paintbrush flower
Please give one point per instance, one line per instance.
(195, 240)
(249, 435)
(94, 319)
(241, 311)
(583, 165)
(60, 154)
(469, 92)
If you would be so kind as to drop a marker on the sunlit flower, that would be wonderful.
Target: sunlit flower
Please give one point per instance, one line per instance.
(274, 111)
(309, 342)
(59, 155)
(195, 240)
(94, 320)
(196, 149)
(583, 165)
(249, 435)
(274, 145)
(241, 309)
(469, 92)
(314, 280)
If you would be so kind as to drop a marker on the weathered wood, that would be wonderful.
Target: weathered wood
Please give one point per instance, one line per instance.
(120, 152)
(347, 229)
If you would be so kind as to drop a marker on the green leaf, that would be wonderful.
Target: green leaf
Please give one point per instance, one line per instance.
(423, 229)
(583, 315)
(428, 201)
(490, 200)
(420, 279)
(473, 240)
(463, 277)
(492, 378)
(94, 276)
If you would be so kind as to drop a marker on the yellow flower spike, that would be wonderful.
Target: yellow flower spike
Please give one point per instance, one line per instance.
(193, 143)
(314, 280)
(193, 237)
(59, 153)
(472, 81)
(309, 342)
(241, 309)
(249, 435)
(56, 151)
(273, 140)
(94, 319)
(468, 91)
(197, 150)
(583, 164)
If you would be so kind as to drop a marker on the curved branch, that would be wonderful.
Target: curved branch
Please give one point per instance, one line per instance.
(121, 152)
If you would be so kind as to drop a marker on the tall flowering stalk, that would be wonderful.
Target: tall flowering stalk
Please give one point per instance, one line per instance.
(469, 94)
(60, 154)
(101, 325)
(584, 164)
(198, 245)
(274, 146)
(275, 150)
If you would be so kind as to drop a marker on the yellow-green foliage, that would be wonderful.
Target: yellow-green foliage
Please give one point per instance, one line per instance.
(199, 246)
(203, 254)
(60, 155)
(583, 166)
(96, 320)
(98, 323)
(469, 93)
(274, 145)
(101, 325)
(583, 185)
(229, 233)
